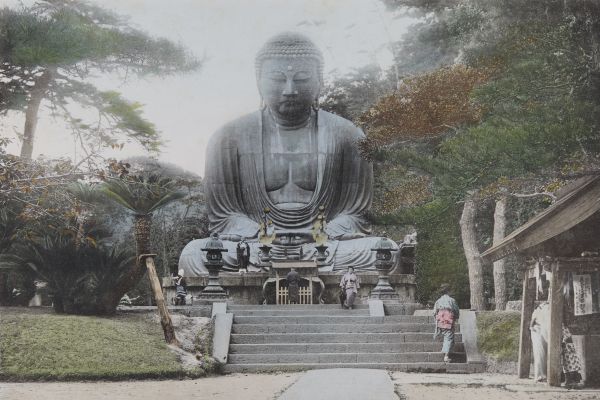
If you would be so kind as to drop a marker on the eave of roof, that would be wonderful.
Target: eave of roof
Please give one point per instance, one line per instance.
(570, 210)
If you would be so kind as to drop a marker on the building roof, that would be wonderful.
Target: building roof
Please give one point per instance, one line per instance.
(577, 205)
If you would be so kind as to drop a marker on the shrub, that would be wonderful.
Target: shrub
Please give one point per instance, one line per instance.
(78, 274)
(498, 334)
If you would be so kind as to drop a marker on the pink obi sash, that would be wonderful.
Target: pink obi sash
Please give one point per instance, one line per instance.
(444, 319)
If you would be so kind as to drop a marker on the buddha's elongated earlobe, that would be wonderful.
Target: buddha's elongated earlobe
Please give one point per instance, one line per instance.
(263, 105)
(315, 104)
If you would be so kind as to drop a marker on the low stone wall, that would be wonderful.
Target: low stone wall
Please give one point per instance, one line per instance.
(199, 310)
(247, 288)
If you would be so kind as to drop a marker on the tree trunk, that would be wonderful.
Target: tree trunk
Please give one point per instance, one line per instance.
(143, 224)
(474, 263)
(499, 269)
(165, 318)
(31, 114)
(4, 290)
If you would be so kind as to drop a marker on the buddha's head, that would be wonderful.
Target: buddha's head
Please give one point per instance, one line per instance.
(289, 72)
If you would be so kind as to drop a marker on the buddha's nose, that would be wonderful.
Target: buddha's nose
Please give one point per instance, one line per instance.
(290, 88)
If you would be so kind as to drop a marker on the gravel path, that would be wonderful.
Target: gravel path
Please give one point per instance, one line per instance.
(481, 387)
(271, 386)
(228, 387)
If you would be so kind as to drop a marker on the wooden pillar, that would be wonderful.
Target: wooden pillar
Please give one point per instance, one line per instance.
(165, 317)
(529, 287)
(276, 287)
(555, 299)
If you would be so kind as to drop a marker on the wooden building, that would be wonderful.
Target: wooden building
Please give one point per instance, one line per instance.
(564, 239)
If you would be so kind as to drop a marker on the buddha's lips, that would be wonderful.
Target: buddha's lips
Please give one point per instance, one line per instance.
(291, 107)
(290, 104)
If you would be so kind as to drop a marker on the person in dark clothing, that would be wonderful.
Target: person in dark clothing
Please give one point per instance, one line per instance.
(243, 255)
(293, 281)
(180, 288)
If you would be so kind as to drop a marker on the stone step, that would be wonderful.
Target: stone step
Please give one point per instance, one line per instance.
(319, 358)
(458, 368)
(301, 348)
(266, 338)
(329, 319)
(275, 307)
(302, 312)
(333, 328)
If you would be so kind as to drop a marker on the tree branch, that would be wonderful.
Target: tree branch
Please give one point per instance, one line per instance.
(528, 195)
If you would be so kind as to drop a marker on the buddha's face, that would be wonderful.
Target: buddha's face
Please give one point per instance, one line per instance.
(289, 86)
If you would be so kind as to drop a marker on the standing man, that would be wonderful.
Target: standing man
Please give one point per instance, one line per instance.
(180, 289)
(446, 314)
(293, 280)
(350, 286)
(540, 321)
(570, 361)
(243, 255)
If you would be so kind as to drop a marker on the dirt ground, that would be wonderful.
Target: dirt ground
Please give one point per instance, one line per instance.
(270, 386)
(481, 387)
(228, 387)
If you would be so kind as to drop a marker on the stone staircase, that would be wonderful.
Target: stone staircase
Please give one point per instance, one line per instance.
(300, 337)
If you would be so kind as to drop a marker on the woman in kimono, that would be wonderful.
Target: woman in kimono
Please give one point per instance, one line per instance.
(446, 314)
(350, 286)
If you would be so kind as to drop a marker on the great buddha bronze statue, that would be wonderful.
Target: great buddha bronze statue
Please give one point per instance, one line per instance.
(292, 159)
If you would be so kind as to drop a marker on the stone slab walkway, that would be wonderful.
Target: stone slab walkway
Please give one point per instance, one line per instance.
(342, 383)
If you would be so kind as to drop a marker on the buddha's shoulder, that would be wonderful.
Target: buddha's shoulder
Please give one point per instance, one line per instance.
(240, 126)
(341, 126)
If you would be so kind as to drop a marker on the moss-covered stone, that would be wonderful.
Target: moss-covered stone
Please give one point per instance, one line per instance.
(498, 334)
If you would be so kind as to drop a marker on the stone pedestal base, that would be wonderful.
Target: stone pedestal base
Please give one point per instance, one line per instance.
(247, 288)
(211, 298)
(212, 293)
(386, 296)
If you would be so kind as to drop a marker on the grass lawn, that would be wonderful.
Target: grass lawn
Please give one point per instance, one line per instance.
(41, 345)
(498, 334)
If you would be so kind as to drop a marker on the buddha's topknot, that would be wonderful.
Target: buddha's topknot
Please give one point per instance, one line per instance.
(292, 45)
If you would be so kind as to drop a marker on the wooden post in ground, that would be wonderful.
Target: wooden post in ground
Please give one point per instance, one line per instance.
(555, 299)
(525, 347)
(165, 318)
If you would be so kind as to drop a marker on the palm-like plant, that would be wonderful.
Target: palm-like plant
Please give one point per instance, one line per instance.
(86, 195)
(142, 194)
(78, 275)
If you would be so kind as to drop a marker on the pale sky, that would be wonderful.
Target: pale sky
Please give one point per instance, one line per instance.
(188, 108)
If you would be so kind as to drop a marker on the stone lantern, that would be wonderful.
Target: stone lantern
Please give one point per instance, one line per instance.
(383, 263)
(214, 263)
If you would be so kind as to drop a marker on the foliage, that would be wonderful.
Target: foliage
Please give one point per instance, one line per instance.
(141, 190)
(539, 120)
(48, 50)
(78, 275)
(46, 206)
(498, 334)
(439, 255)
(515, 112)
(39, 346)
(424, 106)
(352, 94)
(438, 39)
(142, 193)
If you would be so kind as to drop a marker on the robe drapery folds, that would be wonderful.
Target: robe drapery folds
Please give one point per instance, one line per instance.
(235, 183)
